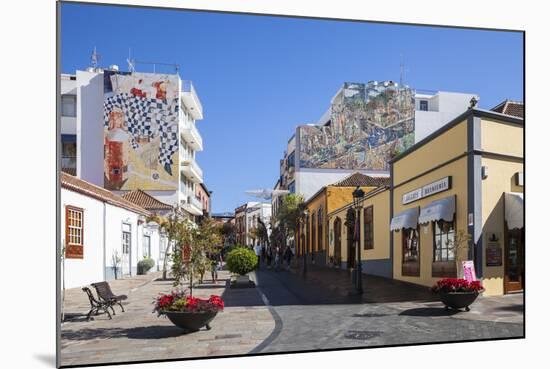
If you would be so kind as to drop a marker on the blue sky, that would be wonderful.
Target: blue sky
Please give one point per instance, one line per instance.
(259, 77)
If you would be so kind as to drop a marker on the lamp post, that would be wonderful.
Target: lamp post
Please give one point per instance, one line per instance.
(305, 240)
(358, 194)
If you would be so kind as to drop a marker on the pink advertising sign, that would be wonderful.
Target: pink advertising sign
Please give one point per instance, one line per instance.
(469, 270)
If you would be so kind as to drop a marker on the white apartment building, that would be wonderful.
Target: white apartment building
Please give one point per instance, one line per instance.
(126, 131)
(256, 211)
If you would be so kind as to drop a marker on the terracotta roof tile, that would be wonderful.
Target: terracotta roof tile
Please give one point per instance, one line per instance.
(509, 107)
(75, 184)
(146, 201)
(362, 180)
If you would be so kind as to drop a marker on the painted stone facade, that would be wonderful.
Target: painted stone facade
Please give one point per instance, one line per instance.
(368, 124)
(141, 112)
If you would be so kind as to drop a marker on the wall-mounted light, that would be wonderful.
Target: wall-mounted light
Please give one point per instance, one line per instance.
(484, 172)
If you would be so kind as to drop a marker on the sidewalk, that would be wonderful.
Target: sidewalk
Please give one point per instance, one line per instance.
(138, 334)
(77, 303)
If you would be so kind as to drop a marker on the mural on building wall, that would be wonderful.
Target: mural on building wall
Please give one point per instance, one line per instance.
(369, 123)
(141, 141)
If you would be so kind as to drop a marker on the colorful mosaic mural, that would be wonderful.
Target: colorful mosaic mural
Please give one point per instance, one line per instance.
(141, 112)
(368, 124)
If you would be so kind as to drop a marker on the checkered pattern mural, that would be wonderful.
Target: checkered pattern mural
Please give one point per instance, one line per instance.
(148, 117)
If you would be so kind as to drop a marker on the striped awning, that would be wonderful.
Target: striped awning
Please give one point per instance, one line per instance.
(405, 220)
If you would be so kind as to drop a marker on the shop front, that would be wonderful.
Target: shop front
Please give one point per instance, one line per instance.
(457, 196)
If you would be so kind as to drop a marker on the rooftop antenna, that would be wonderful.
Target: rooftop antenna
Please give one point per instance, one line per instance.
(131, 62)
(94, 58)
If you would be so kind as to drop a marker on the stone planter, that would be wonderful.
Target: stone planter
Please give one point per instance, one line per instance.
(242, 280)
(458, 300)
(191, 321)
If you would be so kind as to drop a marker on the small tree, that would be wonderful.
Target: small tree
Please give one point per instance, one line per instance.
(228, 232)
(115, 259)
(459, 246)
(171, 225)
(290, 214)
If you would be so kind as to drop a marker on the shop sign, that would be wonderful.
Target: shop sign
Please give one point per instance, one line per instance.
(469, 270)
(435, 187)
(493, 252)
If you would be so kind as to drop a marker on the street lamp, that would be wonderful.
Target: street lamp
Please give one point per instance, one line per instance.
(305, 239)
(358, 194)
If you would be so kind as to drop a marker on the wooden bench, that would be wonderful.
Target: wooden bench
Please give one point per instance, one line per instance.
(106, 295)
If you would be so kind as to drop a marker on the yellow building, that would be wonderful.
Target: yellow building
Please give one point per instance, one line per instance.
(374, 234)
(329, 198)
(467, 177)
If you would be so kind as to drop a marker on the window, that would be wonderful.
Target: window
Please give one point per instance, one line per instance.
(74, 232)
(320, 229)
(423, 105)
(290, 160)
(313, 232)
(368, 228)
(68, 105)
(411, 251)
(146, 246)
(126, 239)
(444, 236)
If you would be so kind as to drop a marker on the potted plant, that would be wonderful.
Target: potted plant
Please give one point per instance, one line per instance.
(145, 265)
(241, 261)
(457, 293)
(188, 312)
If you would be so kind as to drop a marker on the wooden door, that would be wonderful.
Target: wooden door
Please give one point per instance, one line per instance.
(337, 241)
(514, 259)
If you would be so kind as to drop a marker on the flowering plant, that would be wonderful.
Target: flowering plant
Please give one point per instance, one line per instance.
(180, 302)
(456, 285)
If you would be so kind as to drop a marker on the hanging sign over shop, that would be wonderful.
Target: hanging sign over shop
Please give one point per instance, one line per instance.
(435, 187)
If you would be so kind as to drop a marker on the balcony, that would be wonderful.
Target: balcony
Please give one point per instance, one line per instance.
(191, 170)
(191, 135)
(192, 205)
(191, 100)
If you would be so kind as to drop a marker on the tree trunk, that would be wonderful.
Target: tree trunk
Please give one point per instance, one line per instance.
(165, 261)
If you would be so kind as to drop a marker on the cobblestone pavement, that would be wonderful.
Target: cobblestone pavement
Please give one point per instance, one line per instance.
(286, 312)
(138, 334)
(319, 312)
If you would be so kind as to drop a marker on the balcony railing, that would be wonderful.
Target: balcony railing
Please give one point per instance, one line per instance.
(191, 169)
(68, 162)
(191, 134)
(191, 99)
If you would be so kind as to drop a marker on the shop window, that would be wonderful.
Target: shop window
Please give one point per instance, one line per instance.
(444, 235)
(443, 251)
(74, 232)
(368, 228)
(411, 252)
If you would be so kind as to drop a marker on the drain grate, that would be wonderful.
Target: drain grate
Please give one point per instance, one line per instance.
(361, 335)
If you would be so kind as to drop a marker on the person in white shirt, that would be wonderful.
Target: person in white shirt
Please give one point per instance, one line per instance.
(258, 251)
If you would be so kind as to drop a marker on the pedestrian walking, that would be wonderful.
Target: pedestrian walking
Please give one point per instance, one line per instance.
(277, 258)
(269, 257)
(287, 257)
(216, 261)
(258, 251)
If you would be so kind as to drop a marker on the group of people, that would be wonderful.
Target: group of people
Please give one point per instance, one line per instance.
(274, 257)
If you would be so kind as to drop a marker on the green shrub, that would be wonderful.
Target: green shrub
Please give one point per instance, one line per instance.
(241, 260)
(145, 265)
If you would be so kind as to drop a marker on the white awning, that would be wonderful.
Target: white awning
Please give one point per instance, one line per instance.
(513, 205)
(437, 210)
(406, 219)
